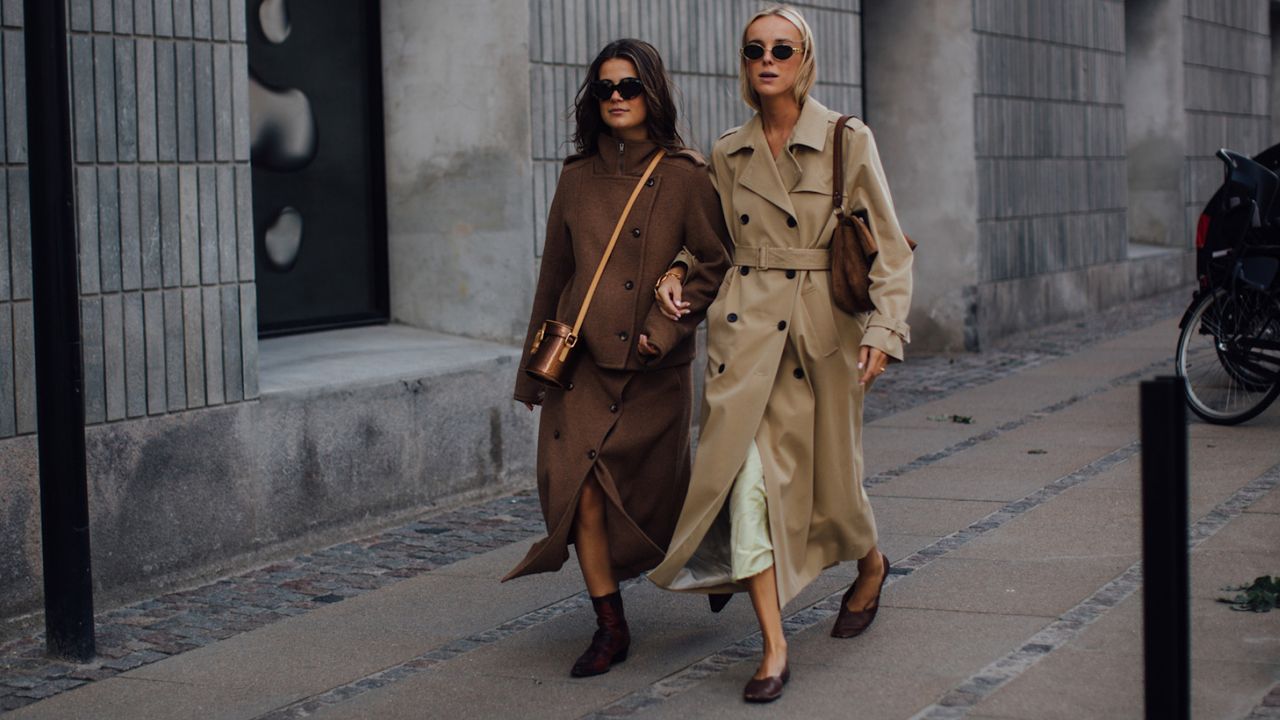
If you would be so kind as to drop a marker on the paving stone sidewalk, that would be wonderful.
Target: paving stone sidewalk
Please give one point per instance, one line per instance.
(174, 623)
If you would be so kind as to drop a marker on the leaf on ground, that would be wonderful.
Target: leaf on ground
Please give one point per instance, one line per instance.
(1037, 451)
(1261, 596)
(960, 419)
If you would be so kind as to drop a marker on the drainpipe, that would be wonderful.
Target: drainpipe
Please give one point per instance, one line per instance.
(64, 496)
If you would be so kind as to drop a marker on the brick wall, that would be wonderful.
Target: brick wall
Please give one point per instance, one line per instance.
(1050, 136)
(698, 40)
(1227, 60)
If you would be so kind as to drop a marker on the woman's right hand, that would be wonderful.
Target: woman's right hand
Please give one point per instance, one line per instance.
(670, 292)
(529, 405)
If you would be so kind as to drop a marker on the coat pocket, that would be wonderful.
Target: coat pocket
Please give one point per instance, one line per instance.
(820, 334)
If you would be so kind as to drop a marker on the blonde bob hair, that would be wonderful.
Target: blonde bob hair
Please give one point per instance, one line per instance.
(808, 73)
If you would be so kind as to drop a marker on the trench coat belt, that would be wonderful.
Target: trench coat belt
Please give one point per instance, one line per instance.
(782, 258)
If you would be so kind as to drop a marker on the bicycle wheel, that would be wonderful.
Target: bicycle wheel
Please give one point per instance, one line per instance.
(1218, 388)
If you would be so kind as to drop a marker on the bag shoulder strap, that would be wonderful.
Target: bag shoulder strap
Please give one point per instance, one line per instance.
(837, 169)
(608, 251)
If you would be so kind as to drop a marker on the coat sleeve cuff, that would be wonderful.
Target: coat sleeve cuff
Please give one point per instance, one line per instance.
(664, 334)
(528, 390)
(884, 340)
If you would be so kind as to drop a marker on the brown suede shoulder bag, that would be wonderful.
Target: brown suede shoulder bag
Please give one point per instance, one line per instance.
(853, 247)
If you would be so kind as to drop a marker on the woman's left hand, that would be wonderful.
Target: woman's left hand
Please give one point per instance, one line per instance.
(871, 361)
(645, 347)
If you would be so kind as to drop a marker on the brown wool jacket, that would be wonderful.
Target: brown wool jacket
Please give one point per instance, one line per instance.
(678, 210)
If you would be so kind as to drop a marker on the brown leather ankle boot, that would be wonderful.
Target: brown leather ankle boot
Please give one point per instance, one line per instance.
(609, 644)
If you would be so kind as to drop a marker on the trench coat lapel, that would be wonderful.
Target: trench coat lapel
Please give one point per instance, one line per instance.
(761, 175)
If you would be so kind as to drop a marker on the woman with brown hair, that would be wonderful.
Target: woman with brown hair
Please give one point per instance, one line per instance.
(776, 494)
(613, 446)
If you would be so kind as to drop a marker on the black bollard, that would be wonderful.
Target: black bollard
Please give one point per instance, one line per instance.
(64, 503)
(1166, 598)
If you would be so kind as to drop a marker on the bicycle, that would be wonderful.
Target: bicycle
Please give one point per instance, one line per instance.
(1229, 346)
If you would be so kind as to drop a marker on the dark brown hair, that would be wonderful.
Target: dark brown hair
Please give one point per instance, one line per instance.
(660, 108)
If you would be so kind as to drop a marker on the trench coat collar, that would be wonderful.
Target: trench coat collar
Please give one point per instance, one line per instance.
(775, 180)
(618, 157)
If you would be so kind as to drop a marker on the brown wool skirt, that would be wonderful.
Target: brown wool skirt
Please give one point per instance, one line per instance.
(630, 432)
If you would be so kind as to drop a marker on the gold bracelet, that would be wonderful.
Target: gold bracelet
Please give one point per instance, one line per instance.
(665, 275)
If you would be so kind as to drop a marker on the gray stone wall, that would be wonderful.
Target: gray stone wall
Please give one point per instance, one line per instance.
(17, 352)
(1050, 136)
(1227, 61)
(698, 40)
(161, 143)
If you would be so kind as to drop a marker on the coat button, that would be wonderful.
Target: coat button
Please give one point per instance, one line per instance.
(649, 183)
(745, 219)
(613, 408)
(798, 373)
(628, 285)
(791, 222)
(782, 324)
(591, 454)
(721, 367)
(791, 274)
(635, 232)
(733, 317)
(569, 386)
(556, 434)
(622, 336)
(744, 270)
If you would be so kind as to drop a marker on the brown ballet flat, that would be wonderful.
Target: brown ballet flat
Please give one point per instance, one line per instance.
(852, 624)
(768, 689)
(610, 643)
(718, 601)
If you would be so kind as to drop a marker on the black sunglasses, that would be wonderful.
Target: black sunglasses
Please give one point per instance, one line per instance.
(628, 88)
(755, 51)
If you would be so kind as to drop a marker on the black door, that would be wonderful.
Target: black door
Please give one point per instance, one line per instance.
(318, 196)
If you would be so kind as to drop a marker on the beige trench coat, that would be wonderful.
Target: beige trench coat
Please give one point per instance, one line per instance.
(782, 359)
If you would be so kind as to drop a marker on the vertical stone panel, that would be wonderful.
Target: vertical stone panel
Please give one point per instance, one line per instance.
(105, 97)
(144, 17)
(113, 342)
(244, 222)
(6, 276)
(193, 346)
(157, 378)
(124, 17)
(24, 368)
(215, 388)
(80, 15)
(181, 18)
(249, 339)
(175, 362)
(95, 399)
(206, 113)
(109, 227)
(126, 101)
(87, 229)
(232, 361)
(223, 90)
(240, 102)
(8, 415)
(189, 223)
(221, 11)
(103, 16)
(170, 227)
(227, 239)
(19, 233)
(135, 355)
(164, 18)
(166, 102)
(185, 73)
(130, 235)
(149, 226)
(202, 19)
(15, 96)
(208, 193)
(145, 63)
(82, 98)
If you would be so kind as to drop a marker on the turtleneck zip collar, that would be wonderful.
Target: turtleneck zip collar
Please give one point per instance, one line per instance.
(616, 156)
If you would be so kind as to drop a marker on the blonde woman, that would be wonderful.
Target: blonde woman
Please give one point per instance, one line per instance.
(781, 439)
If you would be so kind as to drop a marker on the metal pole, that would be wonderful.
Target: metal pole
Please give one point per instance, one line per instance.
(64, 498)
(1166, 603)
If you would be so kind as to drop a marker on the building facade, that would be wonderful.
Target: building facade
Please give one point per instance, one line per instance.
(1050, 156)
